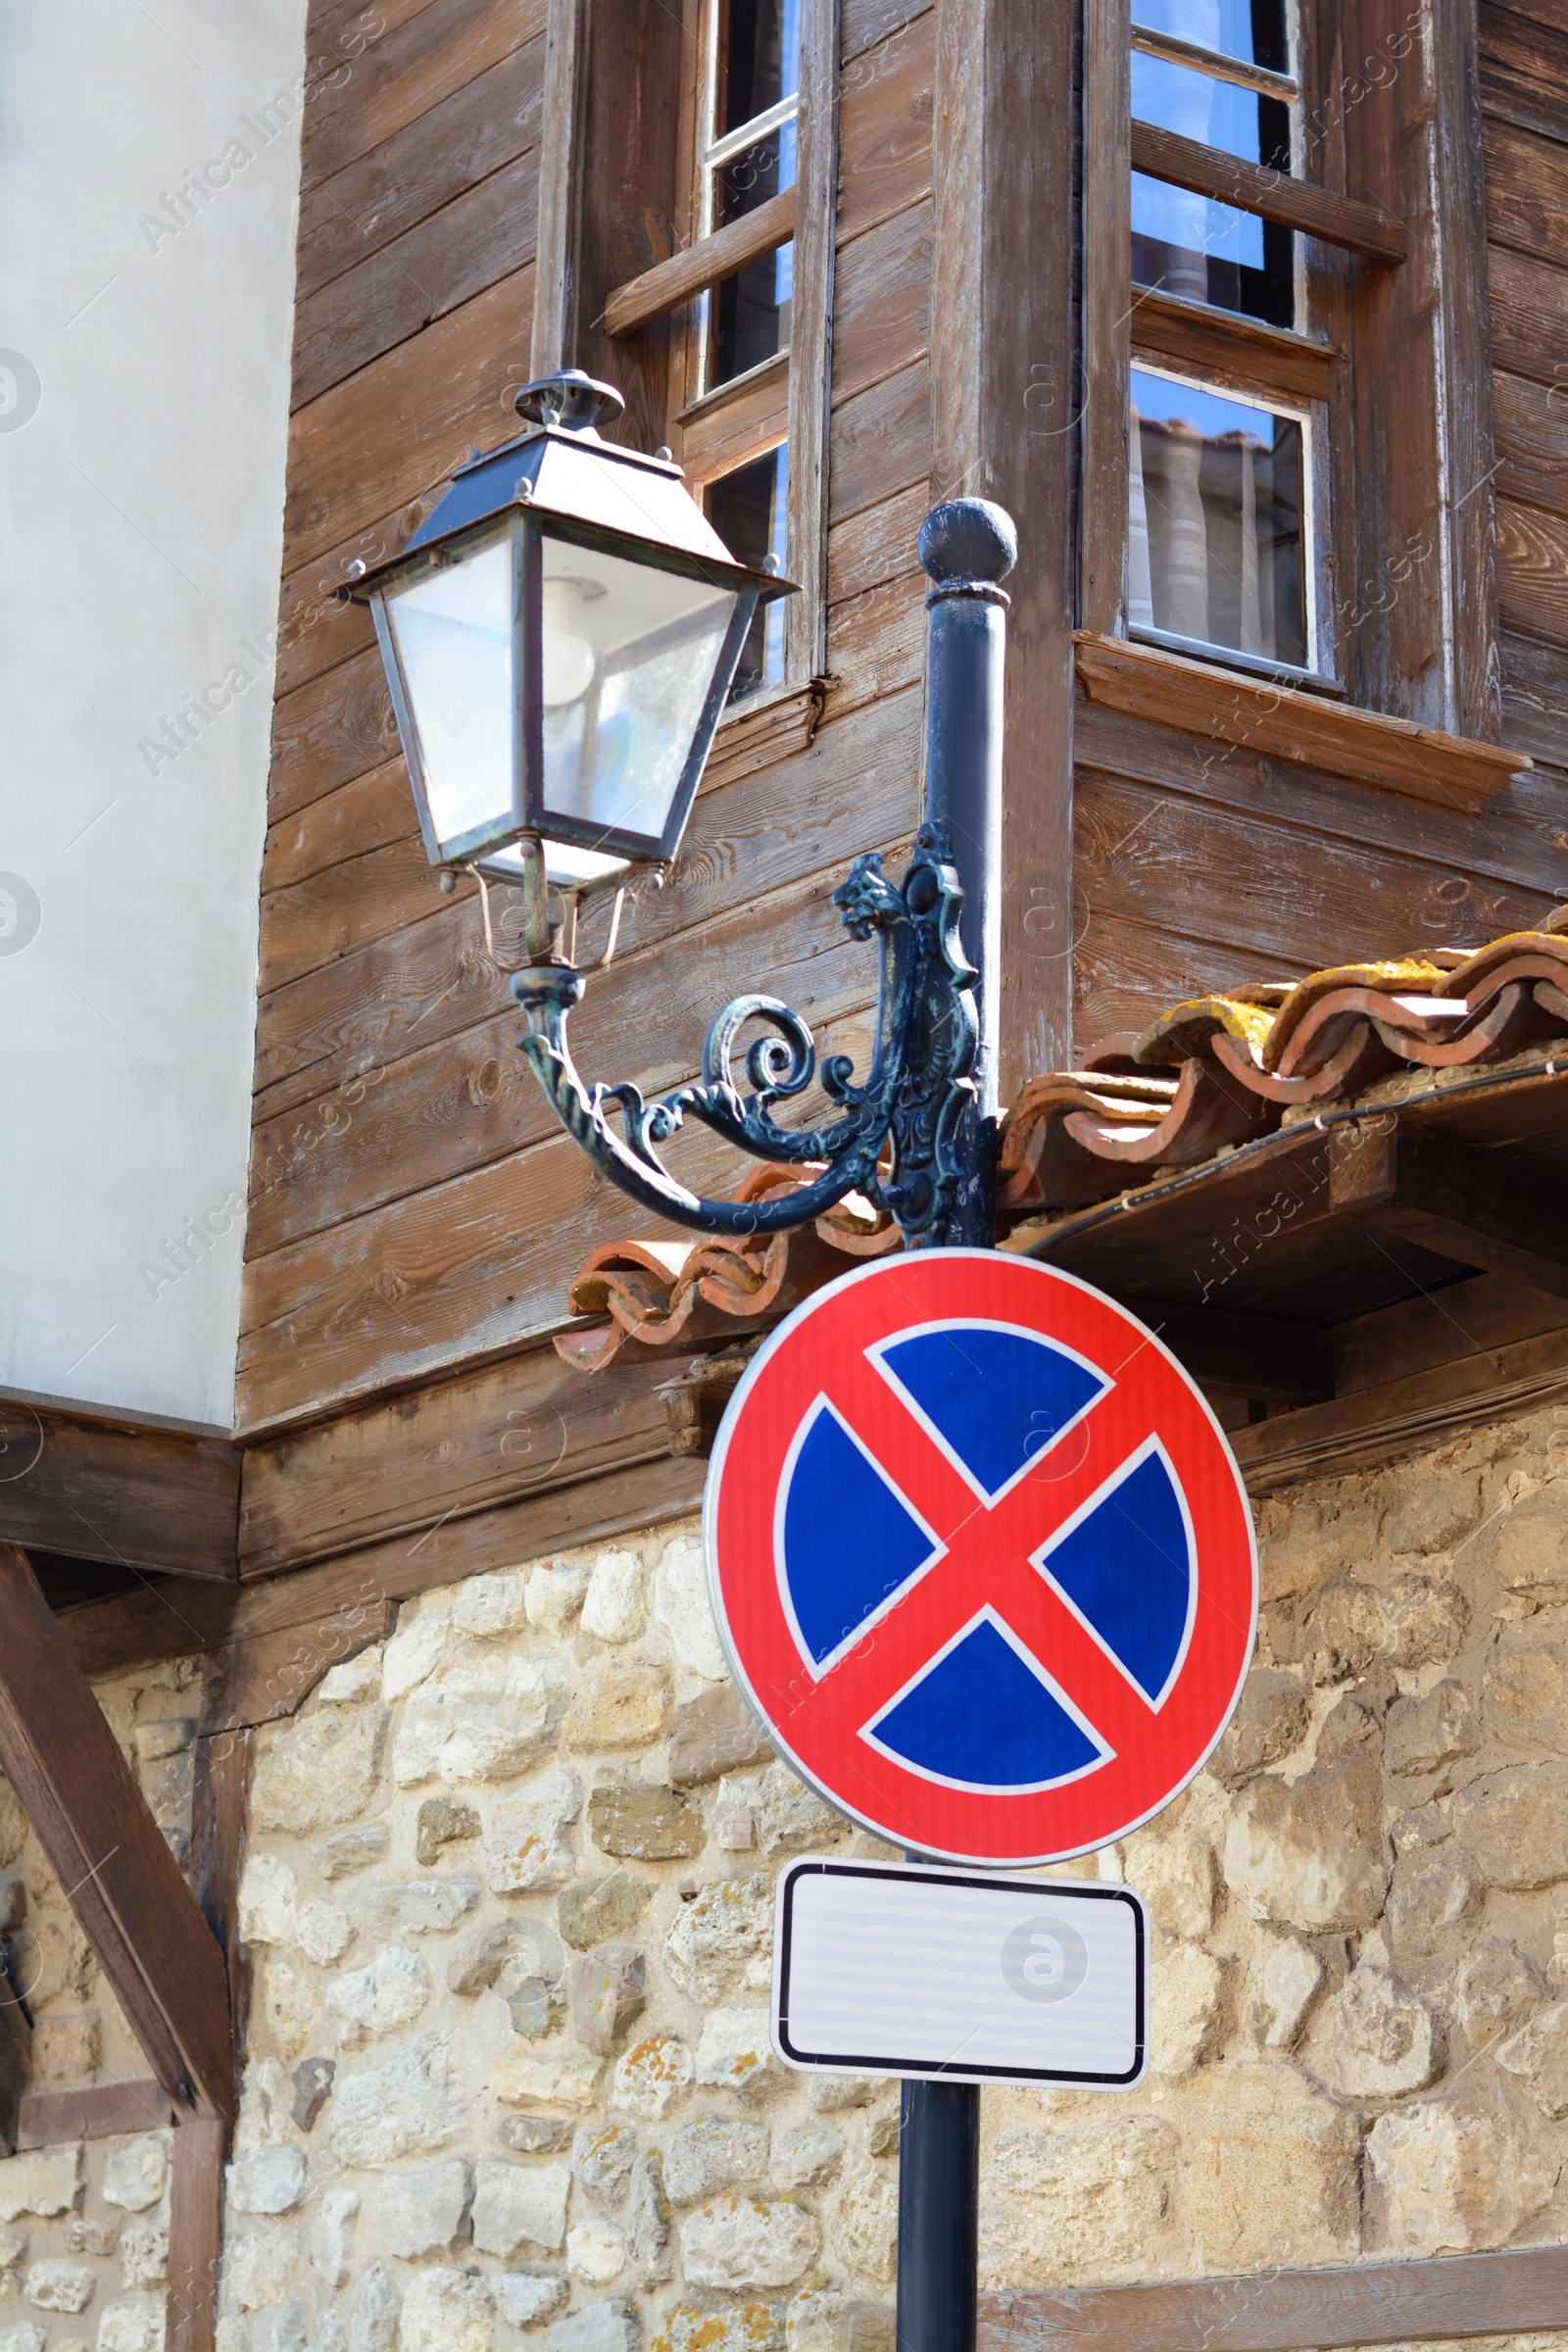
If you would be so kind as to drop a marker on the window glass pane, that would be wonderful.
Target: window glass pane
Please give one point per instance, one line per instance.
(1191, 245)
(1253, 30)
(749, 316)
(1214, 520)
(759, 60)
(748, 509)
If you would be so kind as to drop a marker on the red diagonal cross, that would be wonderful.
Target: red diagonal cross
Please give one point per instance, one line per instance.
(987, 1558)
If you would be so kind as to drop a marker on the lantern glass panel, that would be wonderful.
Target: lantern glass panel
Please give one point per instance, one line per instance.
(627, 656)
(453, 631)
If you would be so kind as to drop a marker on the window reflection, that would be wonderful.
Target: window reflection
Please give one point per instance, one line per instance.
(749, 509)
(1215, 519)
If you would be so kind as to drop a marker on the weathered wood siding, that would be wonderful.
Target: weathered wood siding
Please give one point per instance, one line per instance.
(1198, 864)
(413, 1203)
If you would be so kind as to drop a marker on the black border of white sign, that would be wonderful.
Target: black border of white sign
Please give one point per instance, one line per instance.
(948, 1972)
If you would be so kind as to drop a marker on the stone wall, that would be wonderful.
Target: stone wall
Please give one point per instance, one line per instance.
(84, 2227)
(508, 1894)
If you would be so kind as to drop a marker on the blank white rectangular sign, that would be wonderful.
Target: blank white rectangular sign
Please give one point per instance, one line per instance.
(962, 1976)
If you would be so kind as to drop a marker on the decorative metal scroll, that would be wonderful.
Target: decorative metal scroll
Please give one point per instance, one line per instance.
(895, 1140)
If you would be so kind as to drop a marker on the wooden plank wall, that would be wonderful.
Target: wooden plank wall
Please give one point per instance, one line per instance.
(1198, 864)
(413, 1203)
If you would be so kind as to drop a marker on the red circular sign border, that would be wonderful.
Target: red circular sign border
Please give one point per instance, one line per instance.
(771, 1401)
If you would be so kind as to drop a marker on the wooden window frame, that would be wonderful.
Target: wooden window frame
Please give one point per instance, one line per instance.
(647, 325)
(1404, 589)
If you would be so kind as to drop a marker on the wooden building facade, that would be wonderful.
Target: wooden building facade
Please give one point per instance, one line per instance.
(1254, 316)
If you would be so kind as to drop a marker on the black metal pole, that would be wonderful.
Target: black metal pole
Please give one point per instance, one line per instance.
(967, 546)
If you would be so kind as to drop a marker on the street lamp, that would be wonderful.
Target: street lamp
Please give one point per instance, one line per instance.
(559, 638)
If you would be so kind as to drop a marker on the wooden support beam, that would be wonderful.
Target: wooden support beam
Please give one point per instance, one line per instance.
(1468, 1205)
(1245, 1355)
(700, 265)
(195, 2215)
(119, 1876)
(1364, 228)
(16, 2062)
(1287, 2310)
(49, 2118)
(104, 1491)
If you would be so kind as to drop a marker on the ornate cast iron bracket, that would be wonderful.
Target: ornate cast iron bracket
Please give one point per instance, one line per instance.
(894, 1140)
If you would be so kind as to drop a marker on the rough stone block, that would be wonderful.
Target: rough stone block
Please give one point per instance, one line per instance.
(442, 1821)
(748, 2241)
(269, 1900)
(595, 1909)
(13, 1903)
(1269, 2173)
(446, 2311)
(60, 2285)
(388, 1993)
(707, 2157)
(739, 2328)
(352, 1680)
(1455, 2175)
(66, 2046)
(1383, 2043)
(421, 2213)
(596, 2252)
(171, 1737)
(866, 2224)
(416, 1648)
(525, 2297)
(646, 2223)
(1539, 2056)
(612, 1608)
(602, 2158)
(1313, 1853)
(736, 2051)
(806, 2156)
(712, 1733)
(1174, 1873)
(644, 1823)
(733, 1825)
(622, 1703)
(1433, 1897)
(722, 1942)
(1525, 1699)
(290, 2005)
(1528, 1552)
(485, 1719)
(611, 2326)
(82, 2236)
(425, 1907)
(1496, 1989)
(330, 2240)
(604, 1991)
(324, 1932)
(1514, 1825)
(318, 1771)
(1422, 1734)
(134, 2323)
(650, 2075)
(23, 2339)
(375, 2312)
(558, 2076)
(1054, 2201)
(1269, 1721)
(533, 2134)
(267, 2180)
(400, 2109)
(1187, 2008)
(144, 2255)
(554, 1596)
(790, 1818)
(527, 1839)
(517, 2205)
(13, 1828)
(480, 1957)
(134, 2175)
(1284, 1984)
(351, 1850)
(489, 1607)
(681, 1607)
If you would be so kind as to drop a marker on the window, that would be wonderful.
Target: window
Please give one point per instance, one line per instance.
(748, 297)
(1276, 475)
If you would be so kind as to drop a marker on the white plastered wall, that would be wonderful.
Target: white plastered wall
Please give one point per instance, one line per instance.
(144, 360)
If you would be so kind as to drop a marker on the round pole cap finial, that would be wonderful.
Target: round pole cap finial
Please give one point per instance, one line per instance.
(968, 539)
(570, 399)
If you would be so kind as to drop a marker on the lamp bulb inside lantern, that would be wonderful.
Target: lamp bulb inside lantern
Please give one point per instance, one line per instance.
(567, 658)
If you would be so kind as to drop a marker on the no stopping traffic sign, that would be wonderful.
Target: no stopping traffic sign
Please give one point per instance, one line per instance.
(981, 1557)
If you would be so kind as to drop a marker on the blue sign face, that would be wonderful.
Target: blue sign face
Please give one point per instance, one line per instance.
(985, 1713)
